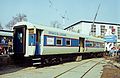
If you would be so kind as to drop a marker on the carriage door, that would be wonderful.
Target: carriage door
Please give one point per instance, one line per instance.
(81, 44)
(19, 40)
(38, 42)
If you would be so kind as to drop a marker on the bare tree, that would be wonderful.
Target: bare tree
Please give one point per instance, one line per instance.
(1, 26)
(56, 24)
(18, 18)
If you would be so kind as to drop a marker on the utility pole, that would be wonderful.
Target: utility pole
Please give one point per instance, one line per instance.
(96, 14)
(91, 33)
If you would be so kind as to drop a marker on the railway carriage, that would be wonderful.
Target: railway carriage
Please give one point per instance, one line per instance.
(6, 37)
(49, 43)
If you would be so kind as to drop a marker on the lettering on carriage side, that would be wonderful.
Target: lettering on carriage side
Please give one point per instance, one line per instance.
(56, 33)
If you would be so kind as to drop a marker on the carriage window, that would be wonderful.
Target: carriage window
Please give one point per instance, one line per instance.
(97, 44)
(58, 41)
(102, 45)
(89, 44)
(31, 37)
(50, 40)
(20, 35)
(68, 42)
(31, 31)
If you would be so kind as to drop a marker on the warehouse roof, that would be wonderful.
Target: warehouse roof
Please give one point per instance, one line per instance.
(90, 22)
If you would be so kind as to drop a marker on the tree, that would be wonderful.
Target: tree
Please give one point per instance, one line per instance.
(18, 18)
(56, 24)
(1, 26)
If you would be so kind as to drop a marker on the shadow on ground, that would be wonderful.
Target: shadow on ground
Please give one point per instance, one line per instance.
(10, 69)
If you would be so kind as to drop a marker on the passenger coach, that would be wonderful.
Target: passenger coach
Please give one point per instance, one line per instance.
(6, 37)
(52, 44)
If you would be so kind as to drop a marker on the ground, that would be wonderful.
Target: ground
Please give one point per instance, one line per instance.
(107, 68)
(112, 69)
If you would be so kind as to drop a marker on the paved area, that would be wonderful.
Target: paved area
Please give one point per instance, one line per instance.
(91, 68)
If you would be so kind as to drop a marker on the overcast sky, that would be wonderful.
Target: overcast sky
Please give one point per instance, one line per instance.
(46, 11)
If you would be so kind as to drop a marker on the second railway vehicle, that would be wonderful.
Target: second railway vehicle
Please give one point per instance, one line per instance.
(6, 37)
(53, 45)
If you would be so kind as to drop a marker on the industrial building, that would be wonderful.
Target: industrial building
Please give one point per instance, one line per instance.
(98, 29)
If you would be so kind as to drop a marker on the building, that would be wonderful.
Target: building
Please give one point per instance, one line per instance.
(99, 29)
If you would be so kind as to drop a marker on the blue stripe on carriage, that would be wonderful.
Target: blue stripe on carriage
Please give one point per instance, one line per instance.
(74, 42)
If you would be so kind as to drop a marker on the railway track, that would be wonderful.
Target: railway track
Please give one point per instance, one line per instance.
(88, 68)
(114, 65)
(78, 66)
(70, 69)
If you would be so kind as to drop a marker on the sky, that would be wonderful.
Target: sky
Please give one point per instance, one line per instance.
(47, 11)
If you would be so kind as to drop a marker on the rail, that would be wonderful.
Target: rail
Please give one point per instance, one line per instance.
(78, 66)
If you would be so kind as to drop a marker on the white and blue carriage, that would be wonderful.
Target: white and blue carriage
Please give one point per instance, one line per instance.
(38, 40)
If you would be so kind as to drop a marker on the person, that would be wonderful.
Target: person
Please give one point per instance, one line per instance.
(111, 52)
(3, 45)
(115, 51)
(3, 41)
(10, 46)
(118, 51)
(1, 50)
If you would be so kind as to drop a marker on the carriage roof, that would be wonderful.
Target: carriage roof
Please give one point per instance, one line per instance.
(41, 27)
(6, 33)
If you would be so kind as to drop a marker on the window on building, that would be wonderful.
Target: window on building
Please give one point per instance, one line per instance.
(93, 29)
(72, 28)
(118, 32)
(78, 31)
(58, 41)
(110, 27)
(102, 30)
